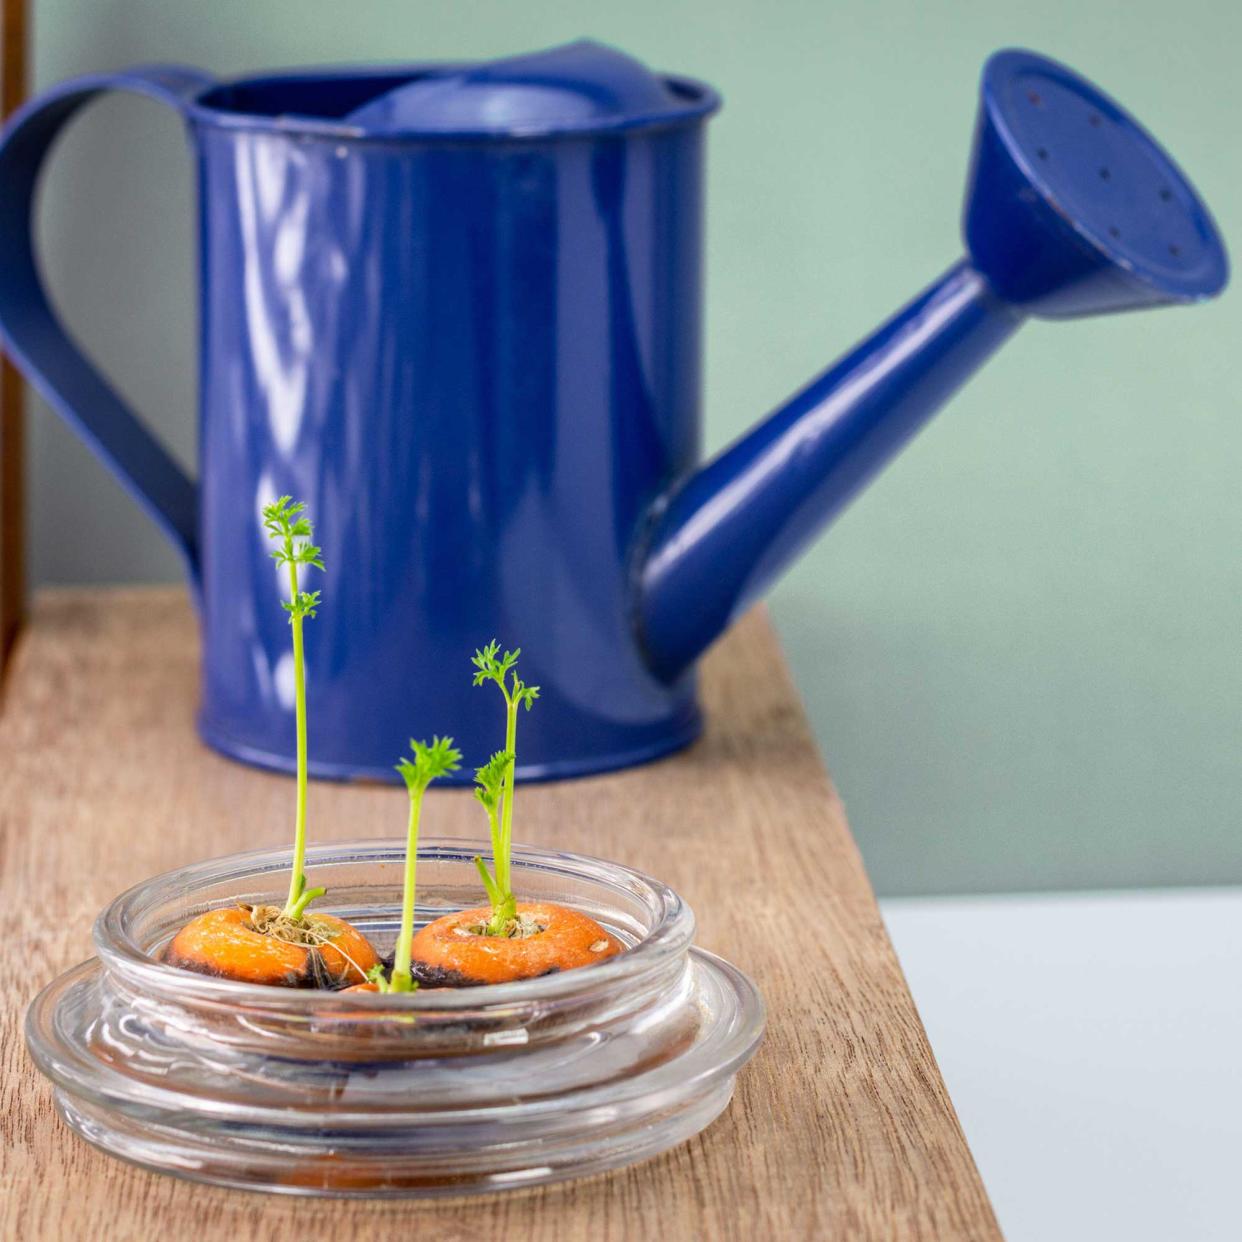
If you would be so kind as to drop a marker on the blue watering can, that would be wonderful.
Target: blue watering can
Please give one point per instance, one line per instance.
(457, 309)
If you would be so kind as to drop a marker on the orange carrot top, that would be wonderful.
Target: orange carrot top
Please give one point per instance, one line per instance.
(507, 939)
(495, 780)
(256, 944)
(282, 946)
(287, 524)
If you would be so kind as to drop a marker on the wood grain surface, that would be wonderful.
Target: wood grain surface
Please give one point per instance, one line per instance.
(841, 1127)
(13, 36)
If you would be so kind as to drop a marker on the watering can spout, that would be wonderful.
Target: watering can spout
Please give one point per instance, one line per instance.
(727, 532)
(1072, 209)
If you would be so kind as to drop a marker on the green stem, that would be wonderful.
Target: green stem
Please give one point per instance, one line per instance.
(494, 893)
(299, 906)
(297, 881)
(506, 908)
(493, 829)
(401, 978)
(489, 885)
(506, 829)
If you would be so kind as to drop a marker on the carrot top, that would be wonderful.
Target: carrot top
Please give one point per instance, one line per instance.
(429, 762)
(494, 782)
(286, 523)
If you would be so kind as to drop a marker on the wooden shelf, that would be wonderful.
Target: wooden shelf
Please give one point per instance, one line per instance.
(841, 1126)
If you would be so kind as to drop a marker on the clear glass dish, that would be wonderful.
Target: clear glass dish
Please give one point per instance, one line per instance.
(438, 1092)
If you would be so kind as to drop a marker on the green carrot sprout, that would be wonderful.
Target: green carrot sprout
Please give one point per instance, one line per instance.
(490, 780)
(495, 781)
(285, 522)
(429, 762)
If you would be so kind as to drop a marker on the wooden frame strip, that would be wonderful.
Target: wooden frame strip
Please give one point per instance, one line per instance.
(13, 56)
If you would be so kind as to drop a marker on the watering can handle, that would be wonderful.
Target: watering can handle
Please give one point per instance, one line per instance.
(36, 340)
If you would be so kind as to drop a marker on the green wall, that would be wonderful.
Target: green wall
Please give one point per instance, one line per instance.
(1020, 649)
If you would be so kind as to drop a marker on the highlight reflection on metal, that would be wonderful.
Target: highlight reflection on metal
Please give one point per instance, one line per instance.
(457, 309)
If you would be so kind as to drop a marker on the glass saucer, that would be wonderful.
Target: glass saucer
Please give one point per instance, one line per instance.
(437, 1092)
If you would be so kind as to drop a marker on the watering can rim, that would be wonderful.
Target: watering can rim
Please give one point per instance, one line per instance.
(692, 100)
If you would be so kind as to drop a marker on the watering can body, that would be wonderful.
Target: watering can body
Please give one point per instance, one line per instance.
(478, 363)
(457, 310)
